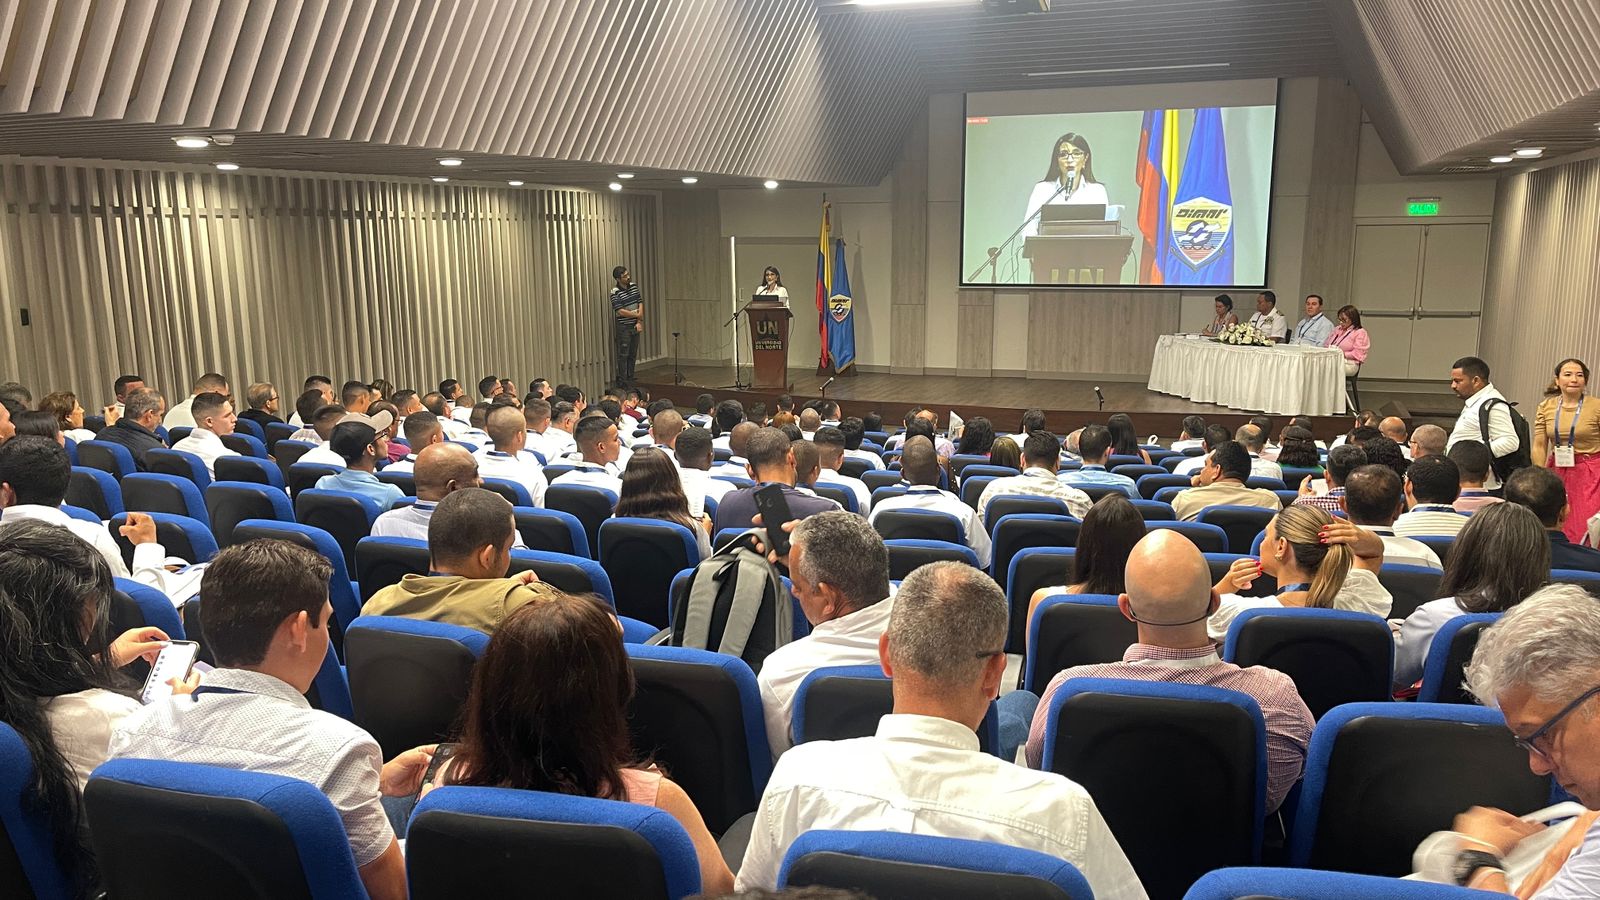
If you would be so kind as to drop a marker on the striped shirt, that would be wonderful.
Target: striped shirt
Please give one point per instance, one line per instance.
(1288, 720)
(1430, 519)
(624, 298)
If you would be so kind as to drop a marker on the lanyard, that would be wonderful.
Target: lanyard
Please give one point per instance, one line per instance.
(1340, 335)
(1573, 431)
(1307, 323)
(1290, 588)
(213, 689)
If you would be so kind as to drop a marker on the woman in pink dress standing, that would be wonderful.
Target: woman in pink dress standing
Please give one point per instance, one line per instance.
(1566, 440)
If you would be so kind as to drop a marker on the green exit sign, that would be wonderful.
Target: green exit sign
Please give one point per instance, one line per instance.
(1422, 206)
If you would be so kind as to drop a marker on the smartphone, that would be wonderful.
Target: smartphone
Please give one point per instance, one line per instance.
(440, 754)
(774, 510)
(175, 661)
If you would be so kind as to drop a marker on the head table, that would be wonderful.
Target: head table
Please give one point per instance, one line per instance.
(1284, 379)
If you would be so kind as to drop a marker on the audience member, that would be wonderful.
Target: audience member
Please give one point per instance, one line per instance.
(810, 421)
(651, 489)
(124, 385)
(1005, 452)
(1383, 452)
(548, 711)
(729, 413)
(1221, 483)
(568, 393)
(1094, 445)
(544, 438)
(1432, 485)
(323, 422)
(397, 449)
(855, 433)
(1366, 418)
(1469, 379)
(693, 454)
(1427, 440)
(1539, 664)
(214, 418)
(1170, 596)
(64, 408)
(599, 446)
(807, 462)
(1124, 440)
(919, 463)
(180, 416)
(737, 445)
(355, 397)
(1319, 562)
(306, 406)
(771, 461)
(1214, 436)
(263, 400)
(470, 534)
(60, 688)
(267, 625)
(136, 430)
(1540, 490)
(441, 470)
(1298, 450)
(1253, 438)
(1473, 460)
(1394, 428)
(359, 440)
(505, 457)
(322, 386)
(38, 423)
(8, 428)
(477, 423)
(438, 407)
(943, 650)
(1374, 498)
(702, 411)
(976, 438)
(1194, 430)
(830, 444)
(665, 427)
(1041, 454)
(422, 431)
(840, 569)
(1500, 559)
(1110, 531)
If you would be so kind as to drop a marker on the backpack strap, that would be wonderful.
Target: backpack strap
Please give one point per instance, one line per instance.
(742, 613)
(702, 600)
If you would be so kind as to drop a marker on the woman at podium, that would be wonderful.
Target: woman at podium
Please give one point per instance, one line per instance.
(772, 285)
(1069, 179)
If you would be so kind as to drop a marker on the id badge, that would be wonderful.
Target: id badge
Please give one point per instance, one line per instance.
(1566, 458)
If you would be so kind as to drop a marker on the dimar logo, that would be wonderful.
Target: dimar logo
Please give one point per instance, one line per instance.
(1200, 226)
(839, 307)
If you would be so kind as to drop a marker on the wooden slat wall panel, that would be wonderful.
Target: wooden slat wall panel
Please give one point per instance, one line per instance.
(1121, 342)
(1544, 277)
(170, 273)
(908, 260)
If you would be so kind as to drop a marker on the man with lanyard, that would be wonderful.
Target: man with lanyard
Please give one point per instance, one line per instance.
(506, 458)
(597, 441)
(628, 309)
(920, 465)
(1267, 319)
(1314, 329)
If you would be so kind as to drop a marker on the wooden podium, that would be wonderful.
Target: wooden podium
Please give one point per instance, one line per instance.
(769, 339)
(1078, 253)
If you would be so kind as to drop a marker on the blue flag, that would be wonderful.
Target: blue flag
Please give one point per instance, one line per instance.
(841, 319)
(1201, 221)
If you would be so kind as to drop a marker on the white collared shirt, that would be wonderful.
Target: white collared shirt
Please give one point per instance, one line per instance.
(1502, 436)
(323, 455)
(850, 640)
(1034, 482)
(1191, 466)
(524, 469)
(698, 485)
(932, 498)
(181, 415)
(552, 443)
(855, 485)
(868, 455)
(453, 428)
(1265, 468)
(149, 560)
(1404, 551)
(592, 475)
(206, 445)
(926, 775)
(1361, 592)
(404, 465)
(411, 521)
(1183, 444)
(1430, 519)
(1271, 324)
(308, 435)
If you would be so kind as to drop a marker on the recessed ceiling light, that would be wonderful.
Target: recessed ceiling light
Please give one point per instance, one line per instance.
(450, 161)
(514, 183)
(770, 185)
(440, 179)
(228, 167)
(615, 185)
(1529, 152)
(624, 174)
(192, 143)
(1499, 159)
(690, 179)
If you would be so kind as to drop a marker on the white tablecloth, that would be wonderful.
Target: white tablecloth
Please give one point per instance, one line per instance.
(1285, 379)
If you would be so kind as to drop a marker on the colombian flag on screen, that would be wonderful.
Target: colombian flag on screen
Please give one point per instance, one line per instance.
(1200, 225)
(1156, 173)
(824, 285)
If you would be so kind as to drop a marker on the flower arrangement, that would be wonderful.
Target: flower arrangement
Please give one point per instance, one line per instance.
(1243, 335)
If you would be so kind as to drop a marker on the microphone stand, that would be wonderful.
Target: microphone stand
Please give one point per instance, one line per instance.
(738, 375)
(677, 370)
(993, 262)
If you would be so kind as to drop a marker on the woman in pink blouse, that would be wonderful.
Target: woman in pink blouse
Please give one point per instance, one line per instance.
(1351, 338)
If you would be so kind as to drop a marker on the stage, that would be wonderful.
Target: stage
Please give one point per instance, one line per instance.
(1068, 405)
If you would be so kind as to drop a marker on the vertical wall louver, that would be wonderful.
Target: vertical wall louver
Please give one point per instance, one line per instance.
(171, 273)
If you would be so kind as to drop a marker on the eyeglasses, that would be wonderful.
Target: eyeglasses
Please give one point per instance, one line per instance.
(1074, 153)
(1532, 741)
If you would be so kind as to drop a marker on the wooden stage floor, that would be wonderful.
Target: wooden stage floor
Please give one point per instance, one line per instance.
(1068, 405)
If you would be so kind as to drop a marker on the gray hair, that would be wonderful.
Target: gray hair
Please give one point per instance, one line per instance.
(140, 401)
(1548, 643)
(1431, 439)
(946, 617)
(841, 549)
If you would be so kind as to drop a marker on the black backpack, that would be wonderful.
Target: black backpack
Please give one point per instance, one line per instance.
(1520, 458)
(734, 603)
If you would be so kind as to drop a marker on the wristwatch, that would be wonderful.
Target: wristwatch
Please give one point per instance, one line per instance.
(1468, 862)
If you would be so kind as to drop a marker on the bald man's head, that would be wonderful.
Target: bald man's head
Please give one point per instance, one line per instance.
(1169, 590)
(810, 420)
(666, 427)
(739, 437)
(919, 463)
(442, 469)
(1394, 429)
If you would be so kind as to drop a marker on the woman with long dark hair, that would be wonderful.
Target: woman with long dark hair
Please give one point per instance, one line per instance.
(548, 711)
(1069, 178)
(1499, 559)
(1110, 530)
(1005, 452)
(1299, 449)
(59, 685)
(652, 489)
(977, 437)
(772, 285)
(1124, 440)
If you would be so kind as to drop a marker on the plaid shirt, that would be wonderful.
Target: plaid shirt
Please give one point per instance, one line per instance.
(1328, 501)
(1288, 721)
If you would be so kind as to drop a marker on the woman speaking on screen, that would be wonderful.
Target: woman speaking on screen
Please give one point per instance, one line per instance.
(1070, 179)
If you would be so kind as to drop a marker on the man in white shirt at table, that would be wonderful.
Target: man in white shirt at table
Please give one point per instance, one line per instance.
(1469, 379)
(923, 771)
(919, 463)
(1314, 329)
(1267, 318)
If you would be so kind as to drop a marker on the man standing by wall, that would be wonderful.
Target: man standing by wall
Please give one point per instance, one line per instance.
(628, 311)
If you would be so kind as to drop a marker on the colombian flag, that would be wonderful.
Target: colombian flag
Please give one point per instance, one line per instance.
(1156, 173)
(824, 284)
